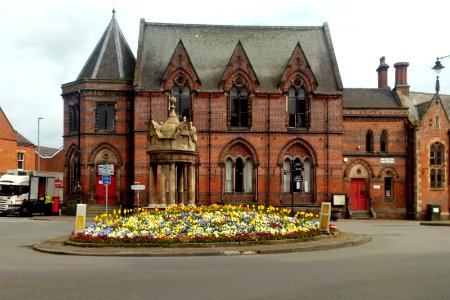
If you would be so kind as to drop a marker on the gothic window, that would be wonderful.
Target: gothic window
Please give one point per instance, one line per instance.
(369, 141)
(73, 118)
(239, 112)
(228, 175)
(297, 105)
(384, 141)
(388, 185)
(21, 160)
(182, 93)
(437, 166)
(105, 117)
(74, 174)
(239, 175)
(437, 123)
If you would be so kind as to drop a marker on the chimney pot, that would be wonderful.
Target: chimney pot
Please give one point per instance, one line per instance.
(382, 73)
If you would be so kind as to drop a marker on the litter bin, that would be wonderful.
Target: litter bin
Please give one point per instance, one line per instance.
(55, 205)
(433, 212)
(70, 208)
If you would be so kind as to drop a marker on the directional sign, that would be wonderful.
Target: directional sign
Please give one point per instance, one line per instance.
(106, 169)
(106, 179)
(138, 187)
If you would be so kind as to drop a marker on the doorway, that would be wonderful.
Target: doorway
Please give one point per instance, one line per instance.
(358, 196)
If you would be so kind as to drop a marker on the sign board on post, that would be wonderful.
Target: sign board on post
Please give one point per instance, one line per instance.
(105, 169)
(138, 187)
(106, 179)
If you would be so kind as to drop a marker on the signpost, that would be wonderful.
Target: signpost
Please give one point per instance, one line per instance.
(138, 187)
(106, 181)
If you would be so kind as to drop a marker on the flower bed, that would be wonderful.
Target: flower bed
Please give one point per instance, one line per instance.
(205, 224)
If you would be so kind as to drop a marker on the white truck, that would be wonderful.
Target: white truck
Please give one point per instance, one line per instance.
(23, 192)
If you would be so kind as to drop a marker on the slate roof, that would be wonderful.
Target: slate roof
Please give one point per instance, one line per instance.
(210, 48)
(112, 58)
(47, 152)
(23, 141)
(421, 102)
(369, 98)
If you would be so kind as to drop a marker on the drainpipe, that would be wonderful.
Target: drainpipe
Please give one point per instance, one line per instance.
(209, 150)
(268, 151)
(328, 148)
(79, 150)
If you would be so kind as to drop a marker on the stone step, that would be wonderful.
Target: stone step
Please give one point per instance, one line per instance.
(93, 210)
(361, 214)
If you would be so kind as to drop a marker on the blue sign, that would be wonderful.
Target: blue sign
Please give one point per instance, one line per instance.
(106, 179)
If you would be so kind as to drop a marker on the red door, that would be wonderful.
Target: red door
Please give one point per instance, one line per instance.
(358, 195)
(100, 190)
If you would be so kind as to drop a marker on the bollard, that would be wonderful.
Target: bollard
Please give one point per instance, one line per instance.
(80, 220)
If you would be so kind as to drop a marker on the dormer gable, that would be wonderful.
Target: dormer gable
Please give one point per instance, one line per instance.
(239, 66)
(298, 68)
(180, 66)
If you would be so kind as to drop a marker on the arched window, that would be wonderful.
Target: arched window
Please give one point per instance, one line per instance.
(388, 185)
(239, 116)
(182, 93)
(437, 166)
(248, 175)
(286, 176)
(73, 118)
(229, 175)
(297, 107)
(239, 175)
(307, 176)
(384, 141)
(369, 141)
(437, 122)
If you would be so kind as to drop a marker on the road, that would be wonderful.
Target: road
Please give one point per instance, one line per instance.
(404, 260)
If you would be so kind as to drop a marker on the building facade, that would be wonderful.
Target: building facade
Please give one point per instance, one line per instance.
(273, 123)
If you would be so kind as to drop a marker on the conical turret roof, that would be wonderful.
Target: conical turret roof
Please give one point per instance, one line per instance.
(112, 58)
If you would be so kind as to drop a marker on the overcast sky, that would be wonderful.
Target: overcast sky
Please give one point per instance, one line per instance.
(45, 43)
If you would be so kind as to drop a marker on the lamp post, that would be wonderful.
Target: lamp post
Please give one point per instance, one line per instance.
(437, 68)
(39, 145)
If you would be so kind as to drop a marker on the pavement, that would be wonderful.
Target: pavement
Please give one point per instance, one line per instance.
(62, 246)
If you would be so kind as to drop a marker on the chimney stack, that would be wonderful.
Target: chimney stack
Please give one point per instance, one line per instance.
(401, 77)
(382, 73)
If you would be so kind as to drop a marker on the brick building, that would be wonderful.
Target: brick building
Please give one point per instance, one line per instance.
(16, 152)
(274, 124)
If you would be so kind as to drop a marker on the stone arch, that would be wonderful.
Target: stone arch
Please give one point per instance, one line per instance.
(170, 81)
(307, 83)
(104, 153)
(240, 147)
(298, 143)
(385, 170)
(348, 170)
(248, 82)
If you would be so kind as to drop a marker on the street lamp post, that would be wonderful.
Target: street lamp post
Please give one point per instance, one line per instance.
(39, 145)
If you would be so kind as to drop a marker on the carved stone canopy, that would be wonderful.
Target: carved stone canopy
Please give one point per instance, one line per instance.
(172, 135)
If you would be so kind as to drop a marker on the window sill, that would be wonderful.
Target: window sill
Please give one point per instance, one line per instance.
(238, 129)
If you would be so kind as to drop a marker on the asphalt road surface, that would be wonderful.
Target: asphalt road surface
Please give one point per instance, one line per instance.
(404, 260)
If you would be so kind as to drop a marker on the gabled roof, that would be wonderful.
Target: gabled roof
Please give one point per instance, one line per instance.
(420, 103)
(370, 98)
(112, 58)
(210, 48)
(23, 141)
(47, 152)
(6, 129)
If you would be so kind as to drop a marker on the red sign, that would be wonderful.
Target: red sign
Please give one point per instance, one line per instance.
(58, 184)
